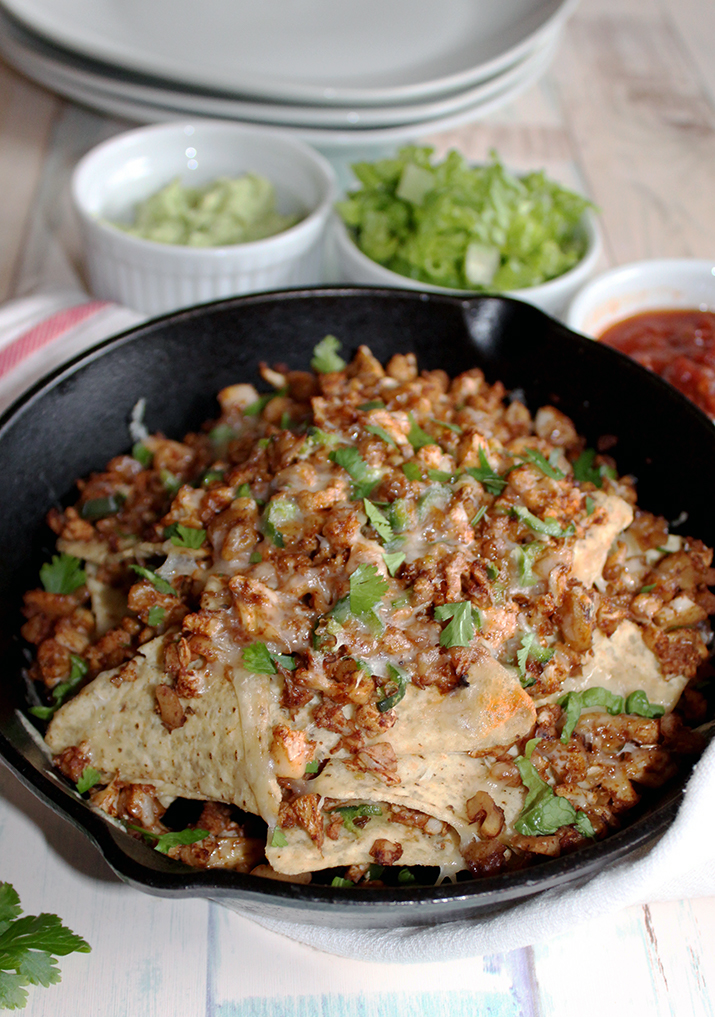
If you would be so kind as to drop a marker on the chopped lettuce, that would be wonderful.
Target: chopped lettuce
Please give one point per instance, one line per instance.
(461, 226)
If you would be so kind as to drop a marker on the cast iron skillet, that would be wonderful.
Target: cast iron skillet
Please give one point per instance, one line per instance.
(76, 419)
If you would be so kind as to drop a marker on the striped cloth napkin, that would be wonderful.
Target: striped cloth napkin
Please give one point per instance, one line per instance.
(39, 333)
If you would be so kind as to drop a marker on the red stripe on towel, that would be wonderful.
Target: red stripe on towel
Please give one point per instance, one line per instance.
(46, 332)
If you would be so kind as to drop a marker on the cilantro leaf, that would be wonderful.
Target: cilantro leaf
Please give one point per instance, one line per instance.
(325, 356)
(171, 482)
(584, 471)
(398, 679)
(378, 521)
(211, 477)
(450, 427)
(61, 691)
(352, 812)
(185, 536)
(417, 437)
(574, 702)
(88, 779)
(155, 615)
(64, 574)
(158, 582)
(393, 561)
(29, 947)
(536, 458)
(342, 883)
(548, 525)
(405, 877)
(530, 648)
(464, 620)
(371, 404)
(526, 555)
(364, 477)
(279, 839)
(258, 659)
(590, 505)
(492, 481)
(411, 470)
(312, 767)
(163, 842)
(441, 476)
(380, 432)
(544, 812)
(367, 588)
(279, 511)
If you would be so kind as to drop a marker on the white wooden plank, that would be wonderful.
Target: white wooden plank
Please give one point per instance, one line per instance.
(148, 954)
(681, 954)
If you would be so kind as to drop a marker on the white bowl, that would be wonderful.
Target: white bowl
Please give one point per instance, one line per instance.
(155, 278)
(553, 296)
(656, 284)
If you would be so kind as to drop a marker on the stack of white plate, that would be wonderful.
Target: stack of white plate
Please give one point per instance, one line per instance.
(336, 73)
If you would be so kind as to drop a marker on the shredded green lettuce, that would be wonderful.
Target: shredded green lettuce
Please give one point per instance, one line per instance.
(465, 227)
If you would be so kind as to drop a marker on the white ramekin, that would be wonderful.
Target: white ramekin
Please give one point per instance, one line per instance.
(156, 278)
(553, 296)
(657, 283)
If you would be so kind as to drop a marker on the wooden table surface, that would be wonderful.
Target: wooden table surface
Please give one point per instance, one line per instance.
(627, 114)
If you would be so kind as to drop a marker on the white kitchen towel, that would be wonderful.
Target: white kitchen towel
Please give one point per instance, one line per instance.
(39, 333)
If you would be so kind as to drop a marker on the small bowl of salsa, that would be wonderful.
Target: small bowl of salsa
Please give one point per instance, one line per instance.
(661, 313)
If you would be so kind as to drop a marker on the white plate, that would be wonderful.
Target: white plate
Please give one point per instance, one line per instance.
(330, 52)
(66, 72)
(119, 104)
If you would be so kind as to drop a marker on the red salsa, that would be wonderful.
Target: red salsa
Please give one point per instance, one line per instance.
(679, 345)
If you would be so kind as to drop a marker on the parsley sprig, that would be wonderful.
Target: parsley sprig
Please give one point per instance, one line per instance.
(184, 536)
(29, 948)
(61, 691)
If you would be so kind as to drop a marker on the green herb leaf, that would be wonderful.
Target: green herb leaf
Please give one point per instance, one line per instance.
(62, 690)
(279, 839)
(574, 702)
(590, 505)
(156, 581)
(279, 511)
(29, 947)
(378, 521)
(317, 437)
(367, 588)
(492, 481)
(212, 477)
(221, 435)
(393, 561)
(639, 704)
(163, 842)
(584, 470)
(479, 515)
(417, 437)
(441, 476)
(450, 427)
(325, 356)
(257, 408)
(343, 884)
(398, 679)
(536, 458)
(406, 878)
(64, 574)
(380, 432)
(171, 482)
(257, 659)
(464, 620)
(371, 404)
(411, 470)
(648, 588)
(530, 648)
(312, 767)
(526, 555)
(544, 812)
(142, 454)
(244, 491)
(548, 525)
(88, 778)
(352, 812)
(100, 508)
(255, 557)
(185, 536)
(155, 616)
(364, 477)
